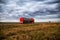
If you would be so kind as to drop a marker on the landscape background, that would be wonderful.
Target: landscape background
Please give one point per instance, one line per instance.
(45, 12)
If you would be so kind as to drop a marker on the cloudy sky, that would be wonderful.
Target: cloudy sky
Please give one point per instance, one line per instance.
(40, 10)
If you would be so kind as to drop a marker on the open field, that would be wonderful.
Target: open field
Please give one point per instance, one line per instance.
(36, 31)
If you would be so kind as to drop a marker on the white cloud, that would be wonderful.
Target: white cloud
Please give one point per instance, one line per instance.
(51, 16)
(48, 20)
(9, 20)
(36, 20)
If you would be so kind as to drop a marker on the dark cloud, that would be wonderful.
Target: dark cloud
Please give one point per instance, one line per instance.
(53, 2)
(3, 1)
(0, 9)
(59, 7)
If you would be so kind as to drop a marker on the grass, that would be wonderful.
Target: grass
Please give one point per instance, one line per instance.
(36, 31)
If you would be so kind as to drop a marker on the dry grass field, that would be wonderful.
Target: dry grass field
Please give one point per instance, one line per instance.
(36, 31)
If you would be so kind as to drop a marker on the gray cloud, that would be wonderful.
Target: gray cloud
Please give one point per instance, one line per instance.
(38, 9)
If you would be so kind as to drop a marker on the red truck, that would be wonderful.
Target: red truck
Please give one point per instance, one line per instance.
(26, 20)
